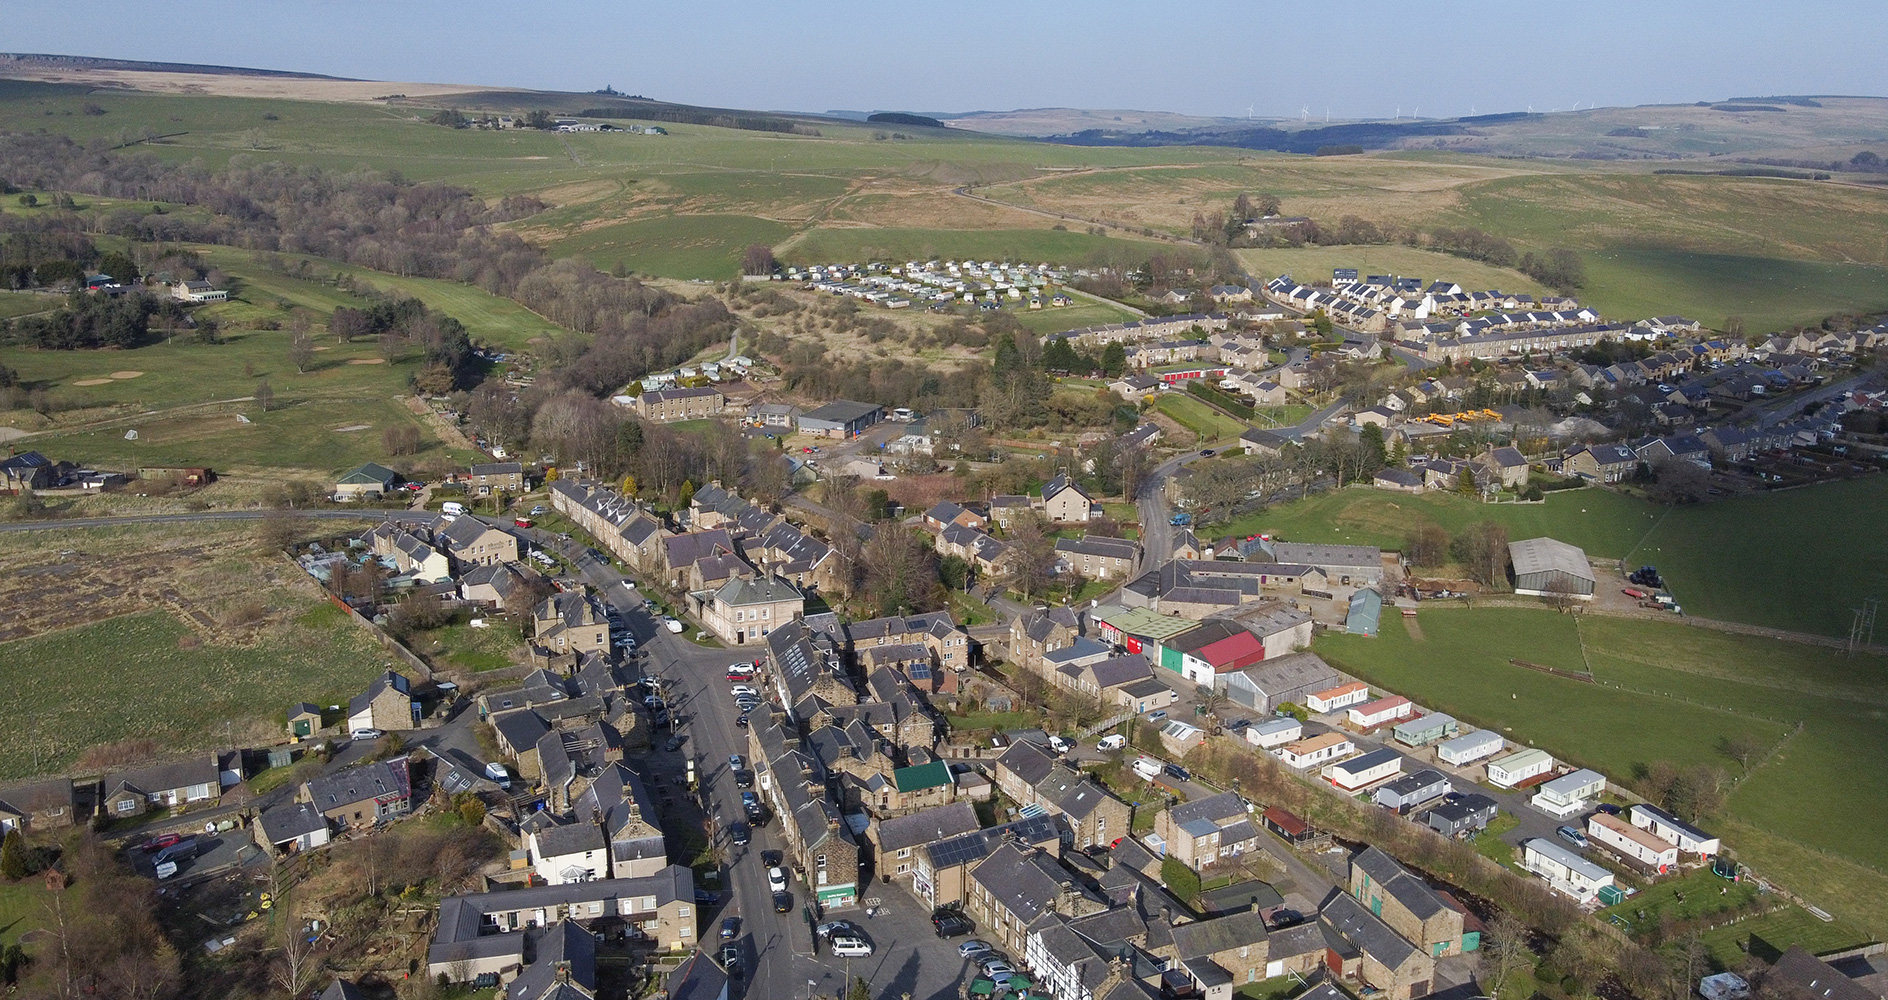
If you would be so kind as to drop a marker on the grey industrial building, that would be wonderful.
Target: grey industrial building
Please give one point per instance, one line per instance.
(1544, 566)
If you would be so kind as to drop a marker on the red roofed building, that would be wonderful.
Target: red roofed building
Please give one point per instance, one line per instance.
(1384, 710)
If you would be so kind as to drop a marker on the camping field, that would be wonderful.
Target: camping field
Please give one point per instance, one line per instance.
(1808, 811)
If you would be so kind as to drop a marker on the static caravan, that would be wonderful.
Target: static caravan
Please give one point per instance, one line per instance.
(1470, 747)
(1567, 794)
(1342, 696)
(1365, 770)
(1566, 871)
(1316, 750)
(1275, 733)
(1663, 825)
(1426, 729)
(1628, 841)
(1376, 713)
(1412, 791)
(1519, 766)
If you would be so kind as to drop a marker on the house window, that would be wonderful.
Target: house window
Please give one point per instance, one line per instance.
(766, 613)
(740, 616)
(683, 912)
(126, 805)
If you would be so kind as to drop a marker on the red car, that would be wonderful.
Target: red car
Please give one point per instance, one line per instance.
(156, 844)
(1635, 594)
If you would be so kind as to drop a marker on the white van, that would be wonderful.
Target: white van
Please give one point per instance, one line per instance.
(1147, 767)
(1115, 742)
(847, 946)
(452, 507)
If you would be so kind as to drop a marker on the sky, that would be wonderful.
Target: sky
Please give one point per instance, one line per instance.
(1362, 59)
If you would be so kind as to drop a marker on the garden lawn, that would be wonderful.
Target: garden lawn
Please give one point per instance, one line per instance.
(1810, 811)
(140, 679)
(1195, 415)
(21, 908)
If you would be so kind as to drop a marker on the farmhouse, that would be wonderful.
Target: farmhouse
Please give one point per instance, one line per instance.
(1564, 870)
(1375, 713)
(668, 405)
(1470, 747)
(1567, 794)
(1663, 825)
(1630, 842)
(841, 419)
(1546, 567)
(1364, 770)
(1342, 696)
(1519, 766)
(1316, 750)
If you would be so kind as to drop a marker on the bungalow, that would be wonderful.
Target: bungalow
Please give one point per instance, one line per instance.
(1135, 388)
(178, 783)
(1364, 770)
(1667, 827)
(1632, 843)
(1564, 870)
(290, 828)
(37, 807)
(1519, 766)
(1342, 696)
(1567, 794)
(1376, 713)
(1399, 480)
(1470, 747)
(1316, 750)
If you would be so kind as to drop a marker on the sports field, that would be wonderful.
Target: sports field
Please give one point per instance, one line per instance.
(1195, 415)
(1670, 692)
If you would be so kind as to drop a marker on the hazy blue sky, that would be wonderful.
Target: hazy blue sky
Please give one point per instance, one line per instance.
(1364, 58)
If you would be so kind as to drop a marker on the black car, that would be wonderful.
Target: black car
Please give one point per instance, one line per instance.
(707, 897)
(731, 960)
(1206, 453)
(740, 833)
(1177, 773)
(675, 743)
(952, 925)
(743, 779)
(770, 858)
(742, 720)
(783, 902)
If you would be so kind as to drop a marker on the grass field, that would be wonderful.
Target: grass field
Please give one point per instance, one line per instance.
(1314, 264)
(1667, 691)
(24, 303)
(674, 246)
(1603, 523)
(1082, 313)
(158, 688)
(1034, 246)
(1196, 416)
(1719, 580)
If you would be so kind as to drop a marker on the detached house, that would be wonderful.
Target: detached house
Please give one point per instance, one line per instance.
(183, 782)
(498, 477)
(37, 807)
(362, 796)
(386, 704)
(1063, 500)
(746, 610)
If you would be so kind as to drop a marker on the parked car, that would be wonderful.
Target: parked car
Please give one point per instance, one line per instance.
(743, 779)
(741, 720)
(1572, 836)
(973, 948)
(1157, 715)
(539, 509)
(1061, 744)
(158, 843)
(1147, 767)
(367, 734)
(707, 897)
(740, 833)
(777, 879)
(736, 762)
(675, 743)
(848, 946)
(836, 927)
(783, 902)
(950, 922)
(730, 927)
(1177, 773)
(993, 966)
(1114, 742)
(743, 689)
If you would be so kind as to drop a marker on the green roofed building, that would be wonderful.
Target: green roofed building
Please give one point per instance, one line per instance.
(921, 777)
(366, 479)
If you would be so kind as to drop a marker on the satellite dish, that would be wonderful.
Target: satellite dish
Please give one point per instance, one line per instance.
(131, 435)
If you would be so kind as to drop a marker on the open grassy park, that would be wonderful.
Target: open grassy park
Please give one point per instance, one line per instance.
(1809, 811)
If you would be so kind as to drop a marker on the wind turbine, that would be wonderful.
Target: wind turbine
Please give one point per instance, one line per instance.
(1418, 113)
(1327, 116)
(1303, 112)
(1248, 112)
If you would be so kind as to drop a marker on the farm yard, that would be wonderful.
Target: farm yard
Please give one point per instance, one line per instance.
(99, 648)
(1807, 811)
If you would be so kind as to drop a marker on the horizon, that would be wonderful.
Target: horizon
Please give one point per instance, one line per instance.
(989, 58)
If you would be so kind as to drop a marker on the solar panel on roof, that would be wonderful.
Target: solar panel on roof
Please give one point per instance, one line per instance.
(920, 671)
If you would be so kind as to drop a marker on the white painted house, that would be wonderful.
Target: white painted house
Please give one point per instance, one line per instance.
(561, 855)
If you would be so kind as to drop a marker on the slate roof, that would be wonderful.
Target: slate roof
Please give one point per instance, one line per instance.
(1204, 938)
(572, 838)
(361, 783)
(1214, 808)
(290, 820)
(1349, 919)
(927, 826)
(1026, 882)
(165, 777)
(566, 954)
(757, 590)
